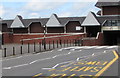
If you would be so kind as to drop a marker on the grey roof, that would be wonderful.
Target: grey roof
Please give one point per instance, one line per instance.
(62, 20)
(53, 21)
(91, 20)
(18, 22)
(101, 3)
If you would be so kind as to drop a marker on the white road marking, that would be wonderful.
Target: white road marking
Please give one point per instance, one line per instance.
(104, 51)
(72, 49)
(47, 68)
(15, 66)
(69, 53)
(77, 59)
(93, 54)
(26, 56)
(56, 65)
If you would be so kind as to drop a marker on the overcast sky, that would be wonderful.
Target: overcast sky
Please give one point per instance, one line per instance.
(44, 8)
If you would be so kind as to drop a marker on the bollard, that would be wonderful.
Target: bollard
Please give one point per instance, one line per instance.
(44, 45)
(34, 47)
(21, 49)
(13, 50)
(28, 48)
(5, 50)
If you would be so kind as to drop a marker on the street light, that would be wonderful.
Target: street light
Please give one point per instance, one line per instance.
(44, 42)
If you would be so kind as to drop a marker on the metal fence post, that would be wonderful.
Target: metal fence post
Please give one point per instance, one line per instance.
(13, 50)
(5, 52)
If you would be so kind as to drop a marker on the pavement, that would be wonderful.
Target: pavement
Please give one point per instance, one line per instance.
(70, 62)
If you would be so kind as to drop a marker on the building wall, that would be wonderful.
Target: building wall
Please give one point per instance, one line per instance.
(113, 10)
(5, 28)
(20, 30)
(36, 28)
(94, 41)
(17, 38)
(55, 30)
(71, 27)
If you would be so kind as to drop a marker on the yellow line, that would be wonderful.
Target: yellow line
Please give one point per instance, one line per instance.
(37, 75)
(108, 65)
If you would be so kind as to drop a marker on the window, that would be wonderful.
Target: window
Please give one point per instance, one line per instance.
(78, 28)
(113, 22)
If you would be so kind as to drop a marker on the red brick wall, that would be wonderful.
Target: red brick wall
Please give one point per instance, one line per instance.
(16, 38)
(94, 42)
(7, 38)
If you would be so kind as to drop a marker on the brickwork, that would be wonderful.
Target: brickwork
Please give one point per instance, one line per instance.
(94, 41)
(17, 38)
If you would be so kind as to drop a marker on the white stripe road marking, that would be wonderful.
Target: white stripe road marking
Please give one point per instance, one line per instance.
(26, 56)
(56, 65)
(35, 61)
(15, 66)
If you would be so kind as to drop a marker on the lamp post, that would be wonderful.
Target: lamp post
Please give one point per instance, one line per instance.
(44, 42)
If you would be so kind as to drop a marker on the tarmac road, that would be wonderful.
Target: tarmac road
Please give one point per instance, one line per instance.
(71, 61)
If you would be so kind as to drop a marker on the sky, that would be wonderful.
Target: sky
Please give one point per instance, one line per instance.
(45, 8)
